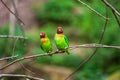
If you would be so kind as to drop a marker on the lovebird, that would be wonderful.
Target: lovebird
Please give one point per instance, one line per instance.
(46, 44)
(61, 40)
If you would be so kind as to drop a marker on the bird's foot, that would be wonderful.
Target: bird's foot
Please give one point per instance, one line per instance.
(60, 51)
(49, 53)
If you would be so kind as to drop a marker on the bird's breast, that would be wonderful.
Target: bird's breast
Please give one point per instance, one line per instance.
(43, 40)
(59, 35)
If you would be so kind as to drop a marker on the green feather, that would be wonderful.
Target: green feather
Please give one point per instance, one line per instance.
(46, 46)
(62, 43)
(66, 40)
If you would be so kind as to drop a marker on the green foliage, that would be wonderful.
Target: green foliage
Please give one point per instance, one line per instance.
(84, 26)
(7, 44)
(55, 11)
(3, 41)
(89, 74)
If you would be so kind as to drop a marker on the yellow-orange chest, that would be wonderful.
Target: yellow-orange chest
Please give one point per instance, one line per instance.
(43, 40)
(59, 35)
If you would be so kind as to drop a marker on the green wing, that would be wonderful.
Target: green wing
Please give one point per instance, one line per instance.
(41, 46)
(66, 40)
(50, 43)
(55, 40)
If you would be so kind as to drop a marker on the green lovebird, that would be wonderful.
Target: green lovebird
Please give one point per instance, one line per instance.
(61, 40)
(46, 44)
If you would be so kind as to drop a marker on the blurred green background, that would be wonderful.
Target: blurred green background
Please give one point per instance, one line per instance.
(81, 26)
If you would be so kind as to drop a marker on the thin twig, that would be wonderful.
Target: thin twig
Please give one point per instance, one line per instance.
(116, 18)
(96, 48)
(19, 76)
(20, 62)
(92, 9)
(105, 25)
(114, 11)
(29, 57)
(93, 46)
(26, 68)
(16, 13)
(60, 52)
(10, 36)
(111, 7)
(13, 50)
(22, 23)
(6, 58)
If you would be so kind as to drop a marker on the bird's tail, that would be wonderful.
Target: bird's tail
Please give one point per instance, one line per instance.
(67, 50)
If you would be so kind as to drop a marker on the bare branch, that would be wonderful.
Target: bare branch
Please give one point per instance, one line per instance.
(60, 52)
(20, 62)
(115, 12)
(28, 57)
(111, 7)
(16, 13)
(22, 23)
(10, 36)
(19, 76)
(12, 20)
(6, 58)
(116, 18)
(94, 46)
(92, 9)
(26, 68)
(105, 25)
(14, 46)
(91, 45)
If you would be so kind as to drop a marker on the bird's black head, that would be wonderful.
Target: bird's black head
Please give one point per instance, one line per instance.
(42, 35)
(59, 30)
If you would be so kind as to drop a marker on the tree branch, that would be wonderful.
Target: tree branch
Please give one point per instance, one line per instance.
(16, 13)
(60, 52)
(10, 36)
(22, 23)
(19, 76)
(28, 57)
(6, 58)
(111, 7)
(114, 11)
(93, 45)
(92, 9)
(14, 45)
(116, 17)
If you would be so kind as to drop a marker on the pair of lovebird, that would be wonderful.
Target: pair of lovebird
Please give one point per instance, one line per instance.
(60, 39)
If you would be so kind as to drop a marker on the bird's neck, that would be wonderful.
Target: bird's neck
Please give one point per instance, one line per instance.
(43, 40)
(59, 35)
